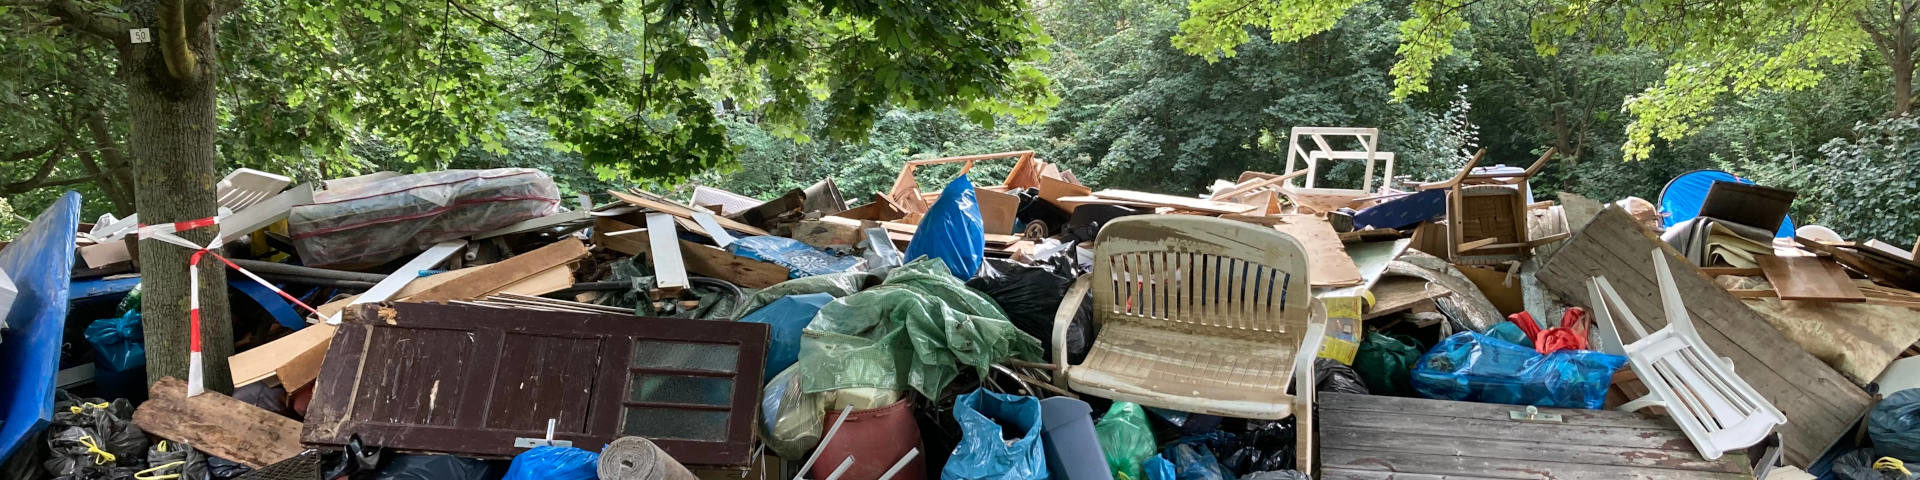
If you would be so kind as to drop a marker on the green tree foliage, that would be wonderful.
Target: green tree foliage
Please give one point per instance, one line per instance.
(1712, 49)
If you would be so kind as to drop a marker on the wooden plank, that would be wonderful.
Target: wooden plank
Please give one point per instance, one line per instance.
(494, 276)
(682, 211)
(991, 238)
(1514, 447)
(404, 275)
(997, 210)
(302, 368)
(1053, 189)
(701, 259)
(1178, 202)
(1470, 246)
(218, 424)
(1365, 404)
(1398, 294)
(1808, 278)
(1327, 262)
(1351, 474)
(1661, 436)
(260, 362)
(1342, 458)
(1711, 272)
(1820, 404)
(663, 251)
(536, 223)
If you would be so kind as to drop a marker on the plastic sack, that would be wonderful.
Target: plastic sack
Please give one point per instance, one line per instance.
(1125, 438)
(1031, 294)
(435, 467)
(786, 317)
(790, 420)
(171, 458)
(1187, 423)
(1474, 367)
(119, 343)
(1894, 426)
(1333, 376)
(1194, 462)
(94, 439)
(799, 258)
(1858, 465)
(952, 231)
(554, 463)
(1158, 468)
(1385, 362)
(370, 222)
(987, 450)
(838, 285)
(1276, 475)
(915, 331)
(1511, 333)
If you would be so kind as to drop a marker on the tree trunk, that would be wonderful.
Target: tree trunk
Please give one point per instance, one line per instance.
(1902, 66)
(171, 142)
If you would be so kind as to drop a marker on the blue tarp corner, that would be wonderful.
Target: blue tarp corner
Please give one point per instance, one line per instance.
(41, 264)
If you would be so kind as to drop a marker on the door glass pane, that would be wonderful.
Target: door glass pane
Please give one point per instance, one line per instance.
(716, 391)
(678, 424)
(713, 357)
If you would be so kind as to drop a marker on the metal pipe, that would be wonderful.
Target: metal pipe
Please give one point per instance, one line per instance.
(284, 270)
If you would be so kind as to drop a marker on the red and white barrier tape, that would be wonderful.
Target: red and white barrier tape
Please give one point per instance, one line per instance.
(196, 376)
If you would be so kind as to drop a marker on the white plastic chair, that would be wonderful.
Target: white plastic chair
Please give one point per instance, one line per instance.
(241, 189)
(1716, 408)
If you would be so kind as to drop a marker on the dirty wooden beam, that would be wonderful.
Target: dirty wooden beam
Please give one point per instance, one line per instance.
(494, 276)
(701, 259)
(218, 424)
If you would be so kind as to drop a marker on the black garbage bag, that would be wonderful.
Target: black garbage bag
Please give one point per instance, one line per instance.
(271, 398)
(171, 458)
(1034, 209)
(1332, 376)
(1276, 475)
(25, 462)
(1894, 426)
(94, 439)
(437, 467)
(1030, 294)
(1858, 465)
(223, 469)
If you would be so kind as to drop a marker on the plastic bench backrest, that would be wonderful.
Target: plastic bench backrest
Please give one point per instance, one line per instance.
(1201, 275)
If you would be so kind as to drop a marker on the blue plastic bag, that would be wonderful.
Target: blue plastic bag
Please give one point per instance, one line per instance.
(786, 317)
(982, 453)
(952, 231)
(1158, 468)
(801, 259)
(1473, 367)
(1195, 462)
(1510, 332)
(554, 463)
(119, 344)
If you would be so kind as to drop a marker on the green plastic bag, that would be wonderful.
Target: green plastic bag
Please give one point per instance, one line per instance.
(1385, 363)
(835, 284)
(1125, 439)
(914, 330)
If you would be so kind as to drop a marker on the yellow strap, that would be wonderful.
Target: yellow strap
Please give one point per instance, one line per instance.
(144, 474)
(100, 457)
(1890, 463)
(76, 409)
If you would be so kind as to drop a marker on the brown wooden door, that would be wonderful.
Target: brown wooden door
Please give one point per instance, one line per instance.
(471, 380)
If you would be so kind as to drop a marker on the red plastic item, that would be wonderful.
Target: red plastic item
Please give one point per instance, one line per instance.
(1570, 335)
(1527, 325)
(875, 438)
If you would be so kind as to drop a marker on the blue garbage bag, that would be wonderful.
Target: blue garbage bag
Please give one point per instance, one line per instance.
(803, 260)
(1510, 332)
(119, 343)
(554, 463)
(952, 231)
(984, 451)
(1473, 367)
(1894, 426)
(1195, 462)
(1158, 468)
(787, 316)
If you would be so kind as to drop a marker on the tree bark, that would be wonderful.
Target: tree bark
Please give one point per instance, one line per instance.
(171, 142)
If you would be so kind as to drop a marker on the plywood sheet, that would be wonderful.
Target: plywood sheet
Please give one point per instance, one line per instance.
(702, 259)
(997, 210)
(1820, 404)
(1182, 203)
(1808, 278)
(1327, 259)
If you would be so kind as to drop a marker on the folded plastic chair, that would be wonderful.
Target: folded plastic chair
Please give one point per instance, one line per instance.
(1196, 314)
(241, 189)
(1717, 409)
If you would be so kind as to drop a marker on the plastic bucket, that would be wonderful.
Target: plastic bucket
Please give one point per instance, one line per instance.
(1073, 451)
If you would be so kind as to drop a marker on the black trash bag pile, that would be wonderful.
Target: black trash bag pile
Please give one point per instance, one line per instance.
(92, 439)
(436, 467)
(1250, 446)
(171, 458)
(1332, 376)
(1030, 295)
(1858, 465)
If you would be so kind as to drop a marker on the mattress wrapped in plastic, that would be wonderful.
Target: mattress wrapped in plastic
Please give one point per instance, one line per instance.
(378, 221)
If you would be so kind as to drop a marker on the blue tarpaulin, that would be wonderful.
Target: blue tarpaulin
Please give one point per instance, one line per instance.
(41, 264)
(1680, 200)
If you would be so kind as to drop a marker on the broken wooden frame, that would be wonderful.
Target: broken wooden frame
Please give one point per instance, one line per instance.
(1369, 139)
(485, 381)
(906, 192)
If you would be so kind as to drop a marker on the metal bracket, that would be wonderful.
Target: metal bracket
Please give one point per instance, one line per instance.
(1532, 414)
(525, 442)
